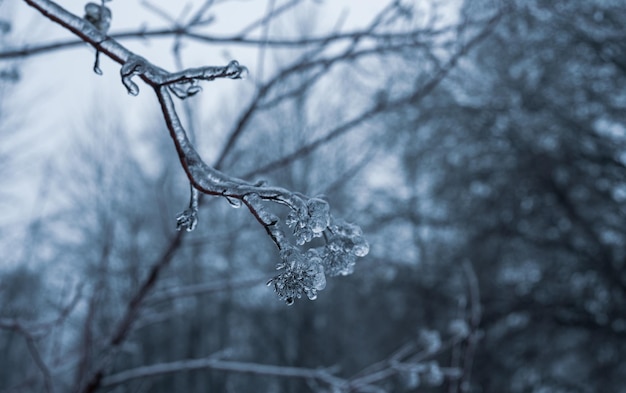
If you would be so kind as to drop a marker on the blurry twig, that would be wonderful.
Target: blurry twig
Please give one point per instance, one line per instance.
(323, 374)
(381, 106)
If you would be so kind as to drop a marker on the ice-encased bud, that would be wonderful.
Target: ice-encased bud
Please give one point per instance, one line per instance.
(309, 222)
(303, 274)
(343, 247)
(336, 260)
(319, 215)
(303, 234)
(433, 375)
(99, 16)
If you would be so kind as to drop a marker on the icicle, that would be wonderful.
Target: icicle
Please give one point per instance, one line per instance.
(236, 71)
(187, 219)
(96, 64)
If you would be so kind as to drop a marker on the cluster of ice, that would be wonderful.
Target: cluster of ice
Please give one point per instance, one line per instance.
(302, 274)
(305, 273)
(310, 222)
(99, 16)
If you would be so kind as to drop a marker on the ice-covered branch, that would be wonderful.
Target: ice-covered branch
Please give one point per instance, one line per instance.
(302, 271)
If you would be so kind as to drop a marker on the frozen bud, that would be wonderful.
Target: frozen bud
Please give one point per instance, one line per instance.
(345, 244)
(336, 260)
(303, 234)
(412, 379)
(303, 274)
(296, 218)
(430, 340)
(236, 71)
(459, 328)
(433, 375)
(319, 215)
(290, 257)
(99, 16)
(345, 229)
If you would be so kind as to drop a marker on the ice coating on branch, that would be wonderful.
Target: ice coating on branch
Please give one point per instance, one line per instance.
(345, 244)
(234, 70)
(309, 222)
(303, 275)
(269, 220)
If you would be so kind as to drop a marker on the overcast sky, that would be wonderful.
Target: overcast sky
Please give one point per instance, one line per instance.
(59, 91)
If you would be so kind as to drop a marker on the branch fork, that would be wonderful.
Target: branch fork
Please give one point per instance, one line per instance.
(302, 271)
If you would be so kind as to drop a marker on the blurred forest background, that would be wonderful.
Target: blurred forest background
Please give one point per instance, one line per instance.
(481, 146)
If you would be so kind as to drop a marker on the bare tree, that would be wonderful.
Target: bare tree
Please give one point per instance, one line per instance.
(333, 244)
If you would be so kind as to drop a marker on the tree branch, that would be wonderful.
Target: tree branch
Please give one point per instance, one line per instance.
(325, 375)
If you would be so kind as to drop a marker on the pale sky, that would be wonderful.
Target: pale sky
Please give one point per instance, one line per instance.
(58, 90)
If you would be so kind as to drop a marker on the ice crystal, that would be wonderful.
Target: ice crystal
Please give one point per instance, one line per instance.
(303, 274)
(236, 71)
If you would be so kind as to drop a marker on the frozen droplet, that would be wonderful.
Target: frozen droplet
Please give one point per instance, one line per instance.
(96, 64)
(361, 248)
(290, 301)
(236, 203)
(187, 220)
